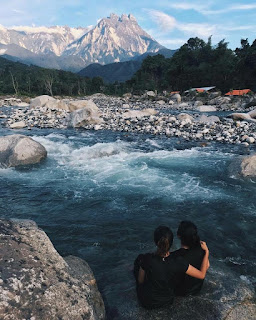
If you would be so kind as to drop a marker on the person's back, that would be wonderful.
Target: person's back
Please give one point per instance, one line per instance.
(192, 252)
(190, 285)
(161, 275)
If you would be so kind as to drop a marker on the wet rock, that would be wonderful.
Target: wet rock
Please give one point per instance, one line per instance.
(37, 283)
(19, 150)
(244, 166)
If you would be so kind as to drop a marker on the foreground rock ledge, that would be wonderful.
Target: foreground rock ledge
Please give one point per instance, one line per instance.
(18, 150)
(37, 283)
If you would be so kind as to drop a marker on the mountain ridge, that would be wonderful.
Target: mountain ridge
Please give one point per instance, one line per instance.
(113, 39)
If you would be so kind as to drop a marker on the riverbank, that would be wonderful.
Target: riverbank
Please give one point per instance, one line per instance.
(190, 121)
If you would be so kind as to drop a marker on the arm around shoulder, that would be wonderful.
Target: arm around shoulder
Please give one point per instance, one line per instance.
(200, 274)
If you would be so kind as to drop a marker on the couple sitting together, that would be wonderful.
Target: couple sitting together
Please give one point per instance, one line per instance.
(163, 274)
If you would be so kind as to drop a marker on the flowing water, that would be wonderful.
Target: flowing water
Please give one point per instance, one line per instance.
(100, 195)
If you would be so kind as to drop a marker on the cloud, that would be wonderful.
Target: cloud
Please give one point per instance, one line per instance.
(199, 29)
(205, 8)
(172, 42)
(168, 23)
(165, 21)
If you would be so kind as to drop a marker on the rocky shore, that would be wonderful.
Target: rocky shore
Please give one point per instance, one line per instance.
(208, 120)
(36, 283)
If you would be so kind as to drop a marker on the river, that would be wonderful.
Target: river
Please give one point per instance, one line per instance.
(100, 195)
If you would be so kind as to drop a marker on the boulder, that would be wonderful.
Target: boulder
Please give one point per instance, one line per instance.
(40, 101)
(56, 104)
(74, 105)
(37, 283)
(252, 114)
(244, 167)
(243, 116)
(176, 97)
(206, 108)
(18, 125)
(198, 103)
(85, 116)
(161, 102)
(185, 116)
(150, 93)
(139, 113)
(211, 119)
(18, 150)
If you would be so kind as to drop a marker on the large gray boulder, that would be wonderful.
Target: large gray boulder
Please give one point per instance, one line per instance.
(88, 115)
(41, 101)
(18, 150)
(244, 167)
(37, 283)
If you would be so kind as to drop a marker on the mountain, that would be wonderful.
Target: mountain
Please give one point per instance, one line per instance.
(120, 71)
(42, 40)
(113, 39)
(14, 52)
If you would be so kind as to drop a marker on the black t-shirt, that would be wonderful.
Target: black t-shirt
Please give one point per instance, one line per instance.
(161, 276)
(189, 285)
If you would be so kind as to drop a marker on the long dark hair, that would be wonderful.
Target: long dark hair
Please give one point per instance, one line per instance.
(187, 232)
(163, 238)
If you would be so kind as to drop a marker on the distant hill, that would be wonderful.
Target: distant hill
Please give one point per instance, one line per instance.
(120, 71)
(19, 78)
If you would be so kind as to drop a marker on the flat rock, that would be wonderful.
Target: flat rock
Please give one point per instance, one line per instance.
(37, 283)
(206, 108)
(18, 150)
(18, 125)
(41, 101)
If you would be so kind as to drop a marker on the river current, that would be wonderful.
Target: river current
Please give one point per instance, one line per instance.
(100, 195)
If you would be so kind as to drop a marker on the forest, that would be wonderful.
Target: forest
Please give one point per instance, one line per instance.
(196, 64)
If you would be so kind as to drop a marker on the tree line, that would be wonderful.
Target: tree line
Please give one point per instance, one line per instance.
(199, 64)
(20, 79)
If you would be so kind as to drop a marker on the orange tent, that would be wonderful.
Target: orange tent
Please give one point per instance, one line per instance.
(200, 90)
(173, 92)
(238, 92)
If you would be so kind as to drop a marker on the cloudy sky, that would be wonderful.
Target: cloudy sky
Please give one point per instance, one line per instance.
(171, 23)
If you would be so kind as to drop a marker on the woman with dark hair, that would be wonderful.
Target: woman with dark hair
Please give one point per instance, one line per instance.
(192, 252)
(157, 274)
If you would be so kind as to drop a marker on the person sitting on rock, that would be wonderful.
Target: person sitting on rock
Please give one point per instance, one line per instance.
(157, 274)
(193, 253)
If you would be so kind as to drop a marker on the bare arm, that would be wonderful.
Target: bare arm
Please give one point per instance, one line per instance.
(141, 276)
(200, 274)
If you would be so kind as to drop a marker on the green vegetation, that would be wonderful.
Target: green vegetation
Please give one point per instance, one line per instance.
(198, 64)
(20, 79)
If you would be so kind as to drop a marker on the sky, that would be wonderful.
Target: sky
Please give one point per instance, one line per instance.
(171, 23)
